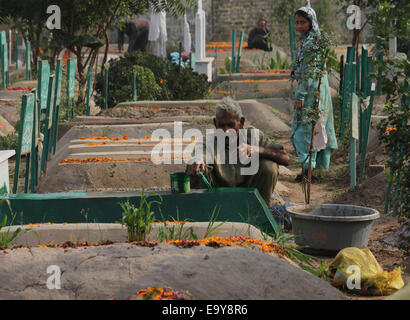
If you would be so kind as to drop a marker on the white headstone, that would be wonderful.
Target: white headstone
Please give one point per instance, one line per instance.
(200, 27)
(392, 47)
(158, 34)
(187, 35)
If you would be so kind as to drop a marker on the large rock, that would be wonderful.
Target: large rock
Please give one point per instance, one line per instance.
(118, 271)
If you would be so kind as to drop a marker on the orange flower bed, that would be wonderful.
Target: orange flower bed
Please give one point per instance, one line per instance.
(265, 80)
(111, 139)
(154, 293)
(163, 108)
(222, 92)
(106, 159)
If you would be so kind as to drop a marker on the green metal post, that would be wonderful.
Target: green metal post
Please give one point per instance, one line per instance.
(352, 155)
(4, 67)
(233, 50)
(105, 87)
(28, 61)
(344, 99)
(292, 39)
(19, 144)
(47, 127)
(379, 78)
(134, 87)
(341, 74)
(57, 101)
(368, 115)
(56, 129)
(26, 179)
(192, 60)
(89, 82)
(238, 61)
(33, 157)
(17, 50)
(364, 62)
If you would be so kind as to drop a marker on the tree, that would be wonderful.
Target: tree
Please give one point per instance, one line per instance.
(84, 26)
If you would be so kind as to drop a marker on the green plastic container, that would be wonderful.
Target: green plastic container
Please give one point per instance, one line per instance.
(180, 182)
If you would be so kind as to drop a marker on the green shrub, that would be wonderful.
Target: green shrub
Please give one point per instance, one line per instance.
(174, 83)
(9, 142)
(185, 84)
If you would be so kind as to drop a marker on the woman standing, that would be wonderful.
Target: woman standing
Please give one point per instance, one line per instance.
(307, 26)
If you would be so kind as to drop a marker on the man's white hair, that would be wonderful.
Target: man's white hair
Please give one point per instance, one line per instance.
(228, 105)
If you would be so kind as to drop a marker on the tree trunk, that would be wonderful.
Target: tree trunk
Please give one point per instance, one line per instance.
(107, 46)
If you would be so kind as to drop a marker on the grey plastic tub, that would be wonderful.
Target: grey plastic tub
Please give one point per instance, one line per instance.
(328, 228)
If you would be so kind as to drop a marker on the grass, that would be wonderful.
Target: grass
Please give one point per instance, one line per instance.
(138, 220)
(211, 228)
(8, 240)
(307, 262)
(176, 231)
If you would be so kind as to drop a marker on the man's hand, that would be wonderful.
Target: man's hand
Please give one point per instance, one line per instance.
(248, 149)
(197, 166)
(298, 104)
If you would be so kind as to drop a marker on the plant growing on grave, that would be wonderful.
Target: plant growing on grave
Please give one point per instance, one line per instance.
(307, 262)
(121, 90)
(394, 131)
(139, 220)
(228, 66)
(9, 142)
(315, 60)
(6, 239)
(185, 84)
(175, 230)
(175, 83)
(277, 64)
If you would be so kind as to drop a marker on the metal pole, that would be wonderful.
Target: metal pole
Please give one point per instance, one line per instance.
(89, 82)
(17, 50)
(292, 39)
(105, 87)
(352, 155)
(233, 50)
(238, 61)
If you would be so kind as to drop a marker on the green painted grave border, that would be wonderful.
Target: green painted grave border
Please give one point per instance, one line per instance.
(235, 205)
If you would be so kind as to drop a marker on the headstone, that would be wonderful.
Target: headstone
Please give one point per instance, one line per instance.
(43, 80)
(203, 65)
(4, 170)
(71, 78)
(392, 47)
(28, 124)
(187, 35)
(200, 27)
(355, 117)
(158, 34)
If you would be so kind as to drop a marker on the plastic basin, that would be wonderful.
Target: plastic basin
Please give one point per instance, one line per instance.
(328, 228)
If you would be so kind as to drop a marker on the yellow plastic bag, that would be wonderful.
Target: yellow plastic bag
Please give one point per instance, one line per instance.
(373, 279)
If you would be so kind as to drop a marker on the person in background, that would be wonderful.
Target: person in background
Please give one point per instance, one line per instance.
(137, 33)
(259, 37)
(307, 26)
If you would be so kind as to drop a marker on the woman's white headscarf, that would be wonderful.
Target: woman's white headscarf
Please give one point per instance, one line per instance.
(296, 70)
(311, 16)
